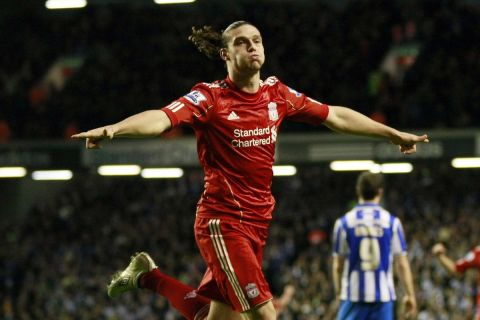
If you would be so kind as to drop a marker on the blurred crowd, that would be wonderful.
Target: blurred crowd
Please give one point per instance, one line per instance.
(57, 262)
(411, 64)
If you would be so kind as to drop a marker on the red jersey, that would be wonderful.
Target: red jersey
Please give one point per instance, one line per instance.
(236, 135)
(471, 260)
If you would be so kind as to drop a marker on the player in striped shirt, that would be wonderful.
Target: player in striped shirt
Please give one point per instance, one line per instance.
(470, 261)
(236, 122)
(367, 242)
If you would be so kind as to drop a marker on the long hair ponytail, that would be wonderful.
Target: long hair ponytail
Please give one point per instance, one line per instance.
(209, 41)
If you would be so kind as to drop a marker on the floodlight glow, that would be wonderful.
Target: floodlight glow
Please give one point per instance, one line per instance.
(65, 4)
(352, 165)
(461, 163)
(375, 168)
(52, 175)
(119, 170)
(398, 167)
(12, 172)
(284, 171)
(161, 173)
(172, 1)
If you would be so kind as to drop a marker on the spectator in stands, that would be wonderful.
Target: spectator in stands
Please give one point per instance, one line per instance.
(442, 79)
(5, 132)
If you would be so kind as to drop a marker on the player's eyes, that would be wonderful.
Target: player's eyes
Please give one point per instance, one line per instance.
(243, 41)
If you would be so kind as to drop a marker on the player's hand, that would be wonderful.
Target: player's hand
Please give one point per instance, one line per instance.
(95, 136)
(438, 249)
(410, 307)
(288, 292)
(407, 141)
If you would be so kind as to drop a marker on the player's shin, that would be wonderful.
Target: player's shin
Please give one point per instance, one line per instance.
(181, 296)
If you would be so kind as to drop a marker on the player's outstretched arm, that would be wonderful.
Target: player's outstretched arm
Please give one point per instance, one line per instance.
(439, 251)
(346, 120)
(145, 124)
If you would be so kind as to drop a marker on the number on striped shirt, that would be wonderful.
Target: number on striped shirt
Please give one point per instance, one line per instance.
(369, 254)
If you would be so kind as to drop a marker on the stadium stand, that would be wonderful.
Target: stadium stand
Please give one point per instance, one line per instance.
(55, 264)
(129, 58)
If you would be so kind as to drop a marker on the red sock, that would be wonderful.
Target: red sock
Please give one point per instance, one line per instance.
(182, 297)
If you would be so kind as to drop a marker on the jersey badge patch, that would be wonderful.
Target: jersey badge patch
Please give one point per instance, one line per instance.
(469, 257)
(296, 93)
(195, 97)
(272, 111)
(252, 290)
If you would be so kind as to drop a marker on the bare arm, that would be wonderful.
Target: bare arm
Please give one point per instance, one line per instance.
(349, 121)
(405, 274)
(145, 124)
(439, 251)
(337, 270)
(282, 302)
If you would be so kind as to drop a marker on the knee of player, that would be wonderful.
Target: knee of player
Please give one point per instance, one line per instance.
(264, 312)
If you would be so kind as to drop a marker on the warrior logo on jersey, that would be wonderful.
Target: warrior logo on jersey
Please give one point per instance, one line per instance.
(272, 111)
(195, 97)
(252, 290)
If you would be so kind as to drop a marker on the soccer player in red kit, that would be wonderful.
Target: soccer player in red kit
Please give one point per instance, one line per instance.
(236, 123)
(470, 261)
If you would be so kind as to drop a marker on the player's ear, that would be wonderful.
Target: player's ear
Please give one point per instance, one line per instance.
(224, 54)
(380, 192)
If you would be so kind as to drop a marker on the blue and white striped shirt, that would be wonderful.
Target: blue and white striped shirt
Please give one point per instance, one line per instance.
(368, 236)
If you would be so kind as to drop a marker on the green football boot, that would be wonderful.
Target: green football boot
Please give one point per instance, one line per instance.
(127, 280)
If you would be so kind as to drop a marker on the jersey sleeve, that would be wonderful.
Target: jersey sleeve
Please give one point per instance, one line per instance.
(301, 108)
(340, 245)
(399, 244)
(192, 108)
(470, 260)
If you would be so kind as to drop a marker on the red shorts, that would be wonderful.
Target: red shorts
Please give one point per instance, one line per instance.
(233, 252)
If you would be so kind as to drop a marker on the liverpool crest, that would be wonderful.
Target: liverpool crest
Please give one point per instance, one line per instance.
(252, 290)
(272, 111)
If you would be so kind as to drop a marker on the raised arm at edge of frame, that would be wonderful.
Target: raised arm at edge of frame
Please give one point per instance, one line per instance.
(149, 123)
(346, 120)
(440, 252)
